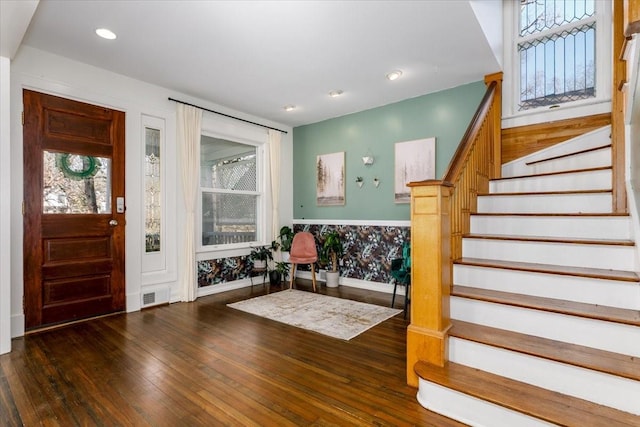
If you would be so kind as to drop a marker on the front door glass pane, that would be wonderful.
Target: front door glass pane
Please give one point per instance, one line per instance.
(76, 184)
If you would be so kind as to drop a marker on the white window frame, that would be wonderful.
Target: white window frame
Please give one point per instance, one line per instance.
(261, 201)
(155, 261)
(601, 103)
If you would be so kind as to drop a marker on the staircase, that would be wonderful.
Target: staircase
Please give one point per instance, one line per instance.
(545, 304)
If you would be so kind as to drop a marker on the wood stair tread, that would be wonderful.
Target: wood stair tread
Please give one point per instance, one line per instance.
(596, 273)
(577, 214)
(562, 156)
(592, 311)
(564, 172)
(537, 402)
(545, 239)
(546, 193)
(585, 357)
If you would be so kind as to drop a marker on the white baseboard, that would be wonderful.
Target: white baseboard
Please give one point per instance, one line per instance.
(154, 295)
(222, 287)
(133, 302)
(357, 283)
(17, 325)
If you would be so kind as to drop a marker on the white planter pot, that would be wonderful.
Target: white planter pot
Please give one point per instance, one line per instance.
(333, 279)
(259, 263)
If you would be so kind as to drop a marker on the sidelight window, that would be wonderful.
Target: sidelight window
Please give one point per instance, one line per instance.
(152, 187)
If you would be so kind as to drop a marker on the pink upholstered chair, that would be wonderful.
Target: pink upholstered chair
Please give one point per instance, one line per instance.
(303, 251)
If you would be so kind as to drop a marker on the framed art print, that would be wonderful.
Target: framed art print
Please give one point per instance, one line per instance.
(414, 161)
(330, 179)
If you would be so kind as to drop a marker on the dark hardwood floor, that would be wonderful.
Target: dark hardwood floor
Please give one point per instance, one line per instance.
(202, 363)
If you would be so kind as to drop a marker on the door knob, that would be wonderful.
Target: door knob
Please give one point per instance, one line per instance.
(113, 222)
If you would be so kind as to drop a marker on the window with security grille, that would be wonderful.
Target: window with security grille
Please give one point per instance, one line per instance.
(556, 44)
(229, 192)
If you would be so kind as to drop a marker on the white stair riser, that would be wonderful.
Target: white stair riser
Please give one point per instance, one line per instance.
(609, 336)
(470, 410)
(569, 254)
(593, 159)
(603, 227)
(546, 203)
(590, 140)
(611, 293)
(578, 181)
(612, 391)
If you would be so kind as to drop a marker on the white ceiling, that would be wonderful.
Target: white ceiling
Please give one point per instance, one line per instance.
(258, 56)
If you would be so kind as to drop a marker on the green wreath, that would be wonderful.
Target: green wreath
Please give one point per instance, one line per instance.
(91, 168)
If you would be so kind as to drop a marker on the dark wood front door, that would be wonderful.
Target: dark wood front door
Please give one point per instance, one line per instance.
(74, 219)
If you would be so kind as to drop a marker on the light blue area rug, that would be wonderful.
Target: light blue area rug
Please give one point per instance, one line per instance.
(335, 317)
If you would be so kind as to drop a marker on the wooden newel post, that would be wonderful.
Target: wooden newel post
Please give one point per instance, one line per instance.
(430, 275)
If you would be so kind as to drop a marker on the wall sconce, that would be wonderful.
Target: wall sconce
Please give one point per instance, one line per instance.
(376, 182)
(359, 181)
(367, 159)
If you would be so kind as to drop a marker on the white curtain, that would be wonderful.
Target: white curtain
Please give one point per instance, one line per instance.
(189, 129)
(274, 160)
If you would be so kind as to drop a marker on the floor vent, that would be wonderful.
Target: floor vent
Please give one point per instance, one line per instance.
(149, 298)
(154, 296)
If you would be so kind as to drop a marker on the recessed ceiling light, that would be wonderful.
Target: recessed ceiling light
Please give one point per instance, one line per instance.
(394, 75)
(106, 34)
(289, 107)
(335, 93)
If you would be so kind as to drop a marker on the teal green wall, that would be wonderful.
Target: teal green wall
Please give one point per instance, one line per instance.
(444, 114)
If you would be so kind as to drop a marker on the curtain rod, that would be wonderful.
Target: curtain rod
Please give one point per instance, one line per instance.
(226, 115)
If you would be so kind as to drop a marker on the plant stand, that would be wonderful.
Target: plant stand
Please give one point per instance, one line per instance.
(259, 271)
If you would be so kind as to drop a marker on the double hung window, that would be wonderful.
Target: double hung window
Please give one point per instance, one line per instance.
(231, 192)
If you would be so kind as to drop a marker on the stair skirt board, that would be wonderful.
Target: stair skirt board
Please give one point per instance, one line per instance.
(610, 293)
(470, 410)
(593, 227)
(569, 254)
(603, 335)
(576, 181)
(546, 203)
(601, 388)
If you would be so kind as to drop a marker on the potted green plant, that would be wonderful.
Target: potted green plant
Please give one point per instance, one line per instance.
(323, 263)
(260, 255)
(279, 272)
(286, 238)
(332, 249)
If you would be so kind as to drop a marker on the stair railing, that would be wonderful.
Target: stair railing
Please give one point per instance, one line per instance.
(440, 216)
